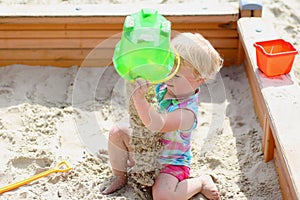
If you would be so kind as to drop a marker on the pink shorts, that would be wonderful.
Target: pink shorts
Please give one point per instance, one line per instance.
(179, 171)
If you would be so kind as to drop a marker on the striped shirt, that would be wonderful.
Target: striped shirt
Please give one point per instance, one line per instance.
(177, 149)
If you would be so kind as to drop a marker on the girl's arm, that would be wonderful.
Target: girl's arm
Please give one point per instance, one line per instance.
(182, 119)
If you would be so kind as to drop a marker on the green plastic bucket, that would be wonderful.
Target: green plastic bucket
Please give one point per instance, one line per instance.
(144, 49)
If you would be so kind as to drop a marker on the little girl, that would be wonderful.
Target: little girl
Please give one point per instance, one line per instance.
(177, 118)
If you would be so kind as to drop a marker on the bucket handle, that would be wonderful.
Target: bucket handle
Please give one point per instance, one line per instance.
(170, 75)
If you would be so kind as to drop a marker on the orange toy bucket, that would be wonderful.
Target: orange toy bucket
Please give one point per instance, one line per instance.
(275, 57)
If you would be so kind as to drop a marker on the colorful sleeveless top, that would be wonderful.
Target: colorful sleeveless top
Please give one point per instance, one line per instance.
(177, 149)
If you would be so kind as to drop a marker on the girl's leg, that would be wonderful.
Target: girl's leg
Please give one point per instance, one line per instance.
(119, 156)
(166, 186)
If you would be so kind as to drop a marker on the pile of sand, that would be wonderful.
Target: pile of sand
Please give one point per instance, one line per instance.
(52, 114)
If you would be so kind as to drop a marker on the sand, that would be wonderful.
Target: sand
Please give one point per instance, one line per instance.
(50, 114)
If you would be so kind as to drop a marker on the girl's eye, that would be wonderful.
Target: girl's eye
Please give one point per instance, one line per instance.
(177, 76)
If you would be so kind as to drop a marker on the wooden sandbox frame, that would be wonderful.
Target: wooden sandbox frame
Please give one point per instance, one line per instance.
(277, 105)
(65, 36)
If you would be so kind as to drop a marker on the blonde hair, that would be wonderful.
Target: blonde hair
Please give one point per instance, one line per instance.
(197, 51)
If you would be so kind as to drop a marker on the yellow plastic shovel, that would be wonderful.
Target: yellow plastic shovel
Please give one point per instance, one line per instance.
(60, 167)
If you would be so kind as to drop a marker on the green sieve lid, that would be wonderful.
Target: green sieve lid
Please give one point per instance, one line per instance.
(144, 49)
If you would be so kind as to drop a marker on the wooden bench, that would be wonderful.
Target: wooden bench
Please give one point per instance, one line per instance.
(66, 35)
(277, 105)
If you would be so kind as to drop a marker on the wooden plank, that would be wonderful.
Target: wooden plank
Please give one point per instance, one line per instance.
(285, 181)
(97, 25)
(213, 33)
(78, 62)
(50, 43)
(55, 54)
(281, 95)
(258, 100)
(59, 63)
(205, 25)
(13, 34)
(202, 18)
(229, 56)
(114, 20)
(224, 42)
(257, 13)
(53, 33)
(229, 62)
(251, 13)
(195, 12)
(240, 53)
(37, 25)
(60, 20)
(21, 34)
(204, 8)
(268, 141)
(68, 54)
(227, 53)
(245, 13)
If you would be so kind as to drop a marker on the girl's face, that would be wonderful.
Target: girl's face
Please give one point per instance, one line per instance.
(184, 83)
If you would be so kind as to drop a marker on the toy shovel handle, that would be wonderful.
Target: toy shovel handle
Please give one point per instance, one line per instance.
(37, 176)
(62, 167)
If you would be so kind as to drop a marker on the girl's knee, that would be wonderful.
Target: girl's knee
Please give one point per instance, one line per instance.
(160, 194)
(117, 133)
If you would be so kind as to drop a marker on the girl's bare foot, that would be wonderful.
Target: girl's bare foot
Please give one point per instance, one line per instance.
(117, 183)
(209, 188)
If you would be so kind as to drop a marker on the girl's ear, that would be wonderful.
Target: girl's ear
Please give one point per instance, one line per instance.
(201, 80)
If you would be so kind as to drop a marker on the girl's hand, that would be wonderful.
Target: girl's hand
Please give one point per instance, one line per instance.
(141, 88)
